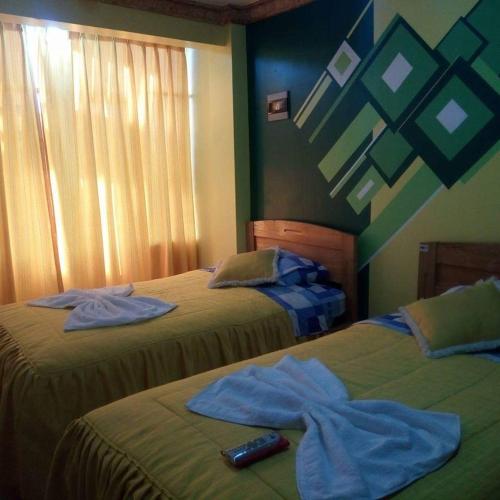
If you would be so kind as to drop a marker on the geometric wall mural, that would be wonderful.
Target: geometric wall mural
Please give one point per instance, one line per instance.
(431, 118)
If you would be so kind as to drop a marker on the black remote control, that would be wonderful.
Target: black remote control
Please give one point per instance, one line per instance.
(257, 449)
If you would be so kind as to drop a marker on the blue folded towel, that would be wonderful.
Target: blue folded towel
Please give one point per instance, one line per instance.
(98, 307)
(350, 449)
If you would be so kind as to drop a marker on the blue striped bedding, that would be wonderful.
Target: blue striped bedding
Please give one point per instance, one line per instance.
(312, 307)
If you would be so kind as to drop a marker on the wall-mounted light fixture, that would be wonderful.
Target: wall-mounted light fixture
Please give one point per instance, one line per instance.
(277, 106)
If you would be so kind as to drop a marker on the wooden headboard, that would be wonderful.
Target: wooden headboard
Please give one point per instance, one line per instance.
(443, 265)
(334, 249)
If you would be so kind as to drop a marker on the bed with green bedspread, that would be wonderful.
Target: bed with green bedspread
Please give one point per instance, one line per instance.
(150, 446)
(50, 377)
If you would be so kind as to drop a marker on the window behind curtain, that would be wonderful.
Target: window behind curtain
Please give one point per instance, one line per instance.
(95, 181)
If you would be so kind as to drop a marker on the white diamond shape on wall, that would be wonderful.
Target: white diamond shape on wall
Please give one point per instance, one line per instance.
(397, 72)
(343, 63)
(451, 116)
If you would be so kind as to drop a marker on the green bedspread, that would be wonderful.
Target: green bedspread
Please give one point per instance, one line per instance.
(49, 377)
(150, 446)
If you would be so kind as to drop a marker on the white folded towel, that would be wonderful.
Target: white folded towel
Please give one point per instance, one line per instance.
(362, 449)
(110, 306)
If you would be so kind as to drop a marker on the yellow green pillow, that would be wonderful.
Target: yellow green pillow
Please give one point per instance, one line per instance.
(465, 321)
(247, 269)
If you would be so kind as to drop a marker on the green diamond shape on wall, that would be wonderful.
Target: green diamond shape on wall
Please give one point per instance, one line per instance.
(491, 55)
(364, 191)
(399, 72)
(390, 154)
(454, 125)
(453, 117)
(342, 62)
(461, 41)
(484, 18)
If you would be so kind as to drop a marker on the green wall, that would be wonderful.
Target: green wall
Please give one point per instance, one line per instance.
(463, 202)
(241, 133)
(291, 52)
(396, 141)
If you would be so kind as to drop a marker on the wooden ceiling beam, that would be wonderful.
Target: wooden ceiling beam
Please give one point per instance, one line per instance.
(198, 11)
(262, 9)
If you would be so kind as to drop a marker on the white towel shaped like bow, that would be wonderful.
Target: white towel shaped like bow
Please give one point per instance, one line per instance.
(110, 306)
(361, 449)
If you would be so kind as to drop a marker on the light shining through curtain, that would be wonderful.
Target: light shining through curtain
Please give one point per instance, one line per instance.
(95, 174)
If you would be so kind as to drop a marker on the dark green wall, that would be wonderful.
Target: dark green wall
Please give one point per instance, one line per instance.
(403, 131)
(290, 52)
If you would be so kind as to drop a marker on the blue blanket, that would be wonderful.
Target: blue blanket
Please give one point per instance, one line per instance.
(350, 449)
(98, 307)
(397, 323)
(312, 307)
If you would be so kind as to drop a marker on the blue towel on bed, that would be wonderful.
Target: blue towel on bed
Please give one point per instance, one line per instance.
(98, 307)
(350, 449)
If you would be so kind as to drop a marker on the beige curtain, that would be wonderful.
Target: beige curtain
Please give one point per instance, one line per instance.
(108, 197)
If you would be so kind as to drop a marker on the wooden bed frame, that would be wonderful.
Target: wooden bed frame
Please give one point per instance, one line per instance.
(336, 250)
(443, 265)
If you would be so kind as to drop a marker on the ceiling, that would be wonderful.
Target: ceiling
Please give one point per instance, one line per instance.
(215, 11)
(239, 3)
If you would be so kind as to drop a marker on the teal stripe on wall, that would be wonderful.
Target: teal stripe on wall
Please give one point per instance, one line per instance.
(309, 97)
(487, 74)
(412, 198)
(349, 141)
(318, 94)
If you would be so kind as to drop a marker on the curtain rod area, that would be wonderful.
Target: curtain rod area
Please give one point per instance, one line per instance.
(102, 32)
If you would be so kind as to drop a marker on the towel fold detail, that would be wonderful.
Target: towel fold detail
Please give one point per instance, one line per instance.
(361, 449)
(99, 307)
